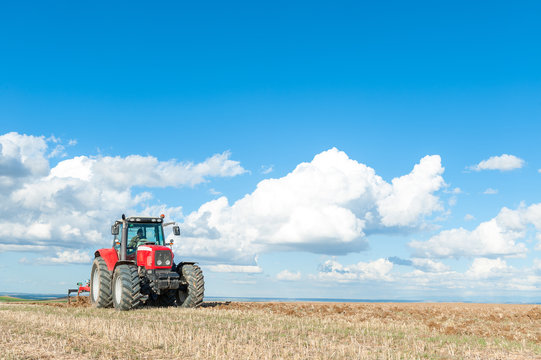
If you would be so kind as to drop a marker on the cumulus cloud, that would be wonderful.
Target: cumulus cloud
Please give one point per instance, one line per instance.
(494, 238)
(504, 162)
(72, 204)
(21, 156)
(66, 257)
(412, 195)
(325, 206)
(136, 170)
(377, 270)
(483, 274)
(483, 268)
(286, 275)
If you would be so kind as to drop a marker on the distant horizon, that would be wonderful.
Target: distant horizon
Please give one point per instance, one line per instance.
(35, 296)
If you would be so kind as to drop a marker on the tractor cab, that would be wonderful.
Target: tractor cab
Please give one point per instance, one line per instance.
(138, 234)
(142, 240)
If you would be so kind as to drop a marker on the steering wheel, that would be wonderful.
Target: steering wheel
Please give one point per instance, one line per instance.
(150, 243)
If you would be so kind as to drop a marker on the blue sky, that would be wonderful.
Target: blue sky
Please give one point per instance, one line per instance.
(88, 91)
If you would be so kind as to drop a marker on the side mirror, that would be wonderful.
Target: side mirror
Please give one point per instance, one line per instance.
(114, 230)
(176, 230)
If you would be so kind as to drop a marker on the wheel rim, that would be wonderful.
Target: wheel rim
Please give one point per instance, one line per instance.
(95, 285)
(118, 290)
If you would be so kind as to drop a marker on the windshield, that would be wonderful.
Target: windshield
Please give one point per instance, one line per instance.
(139, 234)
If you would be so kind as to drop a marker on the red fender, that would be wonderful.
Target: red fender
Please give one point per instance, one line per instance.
(109, 255)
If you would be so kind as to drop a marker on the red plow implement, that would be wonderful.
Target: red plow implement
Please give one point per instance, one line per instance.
(82, 289)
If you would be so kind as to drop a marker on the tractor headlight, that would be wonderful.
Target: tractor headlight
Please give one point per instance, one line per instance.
(159, 262)
(168, 262)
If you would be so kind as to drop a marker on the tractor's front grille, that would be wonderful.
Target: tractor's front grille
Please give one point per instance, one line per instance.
(162, 258)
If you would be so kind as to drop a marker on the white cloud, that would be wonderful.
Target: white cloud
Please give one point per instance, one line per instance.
(23, 247)
(537, 266)
(21, 156)
(483, 268)
(493, 275)
(325, 206)
(426, 265)
(72, 205)
(54, 139)
(490, 191)
(267, 169)
(136, 170)
(58, 151)
(412, 195)
(66, 257)
(286, 275)
(39, 231)
(469, 217)
(504, 162)
(496, 237)
(225, 268)
(378, 270)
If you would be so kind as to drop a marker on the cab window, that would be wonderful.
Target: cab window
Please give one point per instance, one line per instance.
(145, 233)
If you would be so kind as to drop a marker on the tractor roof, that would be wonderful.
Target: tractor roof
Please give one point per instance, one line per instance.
(144, 219)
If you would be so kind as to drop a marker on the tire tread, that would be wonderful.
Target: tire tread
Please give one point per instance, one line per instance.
(196, 286)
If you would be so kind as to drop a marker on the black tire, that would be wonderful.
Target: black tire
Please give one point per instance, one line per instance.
(191, 296)
(101, 295)
(168, 299)
(126, 287)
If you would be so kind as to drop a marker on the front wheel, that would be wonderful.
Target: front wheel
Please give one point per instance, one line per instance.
(126, 287)
(191, 295)
(100, 284)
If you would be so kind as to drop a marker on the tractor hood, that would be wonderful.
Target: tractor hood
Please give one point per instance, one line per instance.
(154, 257)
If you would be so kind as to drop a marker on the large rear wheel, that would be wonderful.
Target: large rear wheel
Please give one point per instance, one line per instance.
(191, 296)
(126, 287)
(101, 295)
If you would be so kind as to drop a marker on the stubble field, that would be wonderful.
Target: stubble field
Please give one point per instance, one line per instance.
(273, 331)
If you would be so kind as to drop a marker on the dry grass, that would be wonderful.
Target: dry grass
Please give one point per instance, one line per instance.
(273, 331)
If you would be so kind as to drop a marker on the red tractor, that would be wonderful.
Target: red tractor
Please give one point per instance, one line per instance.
(139, 269)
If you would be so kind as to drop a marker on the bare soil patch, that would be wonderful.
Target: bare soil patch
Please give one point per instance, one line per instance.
(513, 322)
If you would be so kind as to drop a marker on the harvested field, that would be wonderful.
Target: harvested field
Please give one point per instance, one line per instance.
(273, 331)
